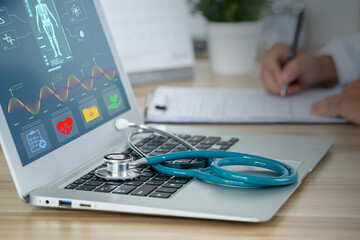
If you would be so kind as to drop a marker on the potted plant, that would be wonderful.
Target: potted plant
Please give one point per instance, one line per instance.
(234, 32)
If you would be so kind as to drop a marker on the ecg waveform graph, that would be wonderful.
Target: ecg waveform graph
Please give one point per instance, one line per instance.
(46, 93)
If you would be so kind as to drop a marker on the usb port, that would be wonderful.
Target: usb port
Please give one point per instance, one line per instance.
(63, 203)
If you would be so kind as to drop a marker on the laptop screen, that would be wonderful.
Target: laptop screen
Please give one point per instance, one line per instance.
(58, 78)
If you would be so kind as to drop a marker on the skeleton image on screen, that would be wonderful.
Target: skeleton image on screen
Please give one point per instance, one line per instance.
(43, 15)
(49, 32)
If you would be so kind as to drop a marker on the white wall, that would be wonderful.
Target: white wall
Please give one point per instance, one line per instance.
(327, 19)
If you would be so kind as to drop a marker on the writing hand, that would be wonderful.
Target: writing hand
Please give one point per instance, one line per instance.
(303, 72)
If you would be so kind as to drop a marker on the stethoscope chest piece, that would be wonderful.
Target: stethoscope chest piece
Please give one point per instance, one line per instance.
(117, 168)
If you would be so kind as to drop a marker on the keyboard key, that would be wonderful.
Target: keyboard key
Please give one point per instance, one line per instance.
(160, 152)
(154, 144)
(171, 144)
(87, 176)
(193, 143)
(233, 140)
(143, 179)
(173, 185)
(177, 150)
(220, 143)
(144, 190)
(86, 188)
(80, 181)
(127, 151)
(139, 144)
(166, 190)
(150, 170)
(196, 138)
(155, 182)
(210, 140)
(181, 148)
(149, 147)
(124, 189)
(93, 183)
(225, 147)
(113, 183)
(97, 179)
(71, 186)
(142, 142)
(157, 142)
(135, 156)
(215, 149)
(149, 138)
(134, 183)
(105, 188)
(160, 195)
(184, 136)
(179, 180)
(147, 174)
(161, 177)
(204, 145)
(139, 167)
(164, 149)
(146, 151)
(202, 148)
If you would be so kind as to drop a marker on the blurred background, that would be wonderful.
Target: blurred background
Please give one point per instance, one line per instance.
(159, 40)
(325, 19)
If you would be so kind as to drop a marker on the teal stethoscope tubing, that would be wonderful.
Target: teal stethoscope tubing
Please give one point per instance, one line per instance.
(218, 175)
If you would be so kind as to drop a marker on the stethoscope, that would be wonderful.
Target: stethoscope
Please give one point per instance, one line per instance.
(120, 167)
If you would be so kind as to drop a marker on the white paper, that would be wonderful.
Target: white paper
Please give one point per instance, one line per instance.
(150, 35)
(214, 105)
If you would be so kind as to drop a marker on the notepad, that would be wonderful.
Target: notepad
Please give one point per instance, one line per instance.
(226, 105)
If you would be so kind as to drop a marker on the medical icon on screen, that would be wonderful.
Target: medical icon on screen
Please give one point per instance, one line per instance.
(8, 40)
(91, 113)
(35, 141)
(65, 126)
(4, 17)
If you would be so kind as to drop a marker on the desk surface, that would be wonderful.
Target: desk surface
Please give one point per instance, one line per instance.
(326, 205)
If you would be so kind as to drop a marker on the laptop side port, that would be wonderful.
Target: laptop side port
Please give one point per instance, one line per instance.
(83, 205)
(63, 203)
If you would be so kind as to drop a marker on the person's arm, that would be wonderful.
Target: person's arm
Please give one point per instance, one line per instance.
(345, 105)
(345, 52)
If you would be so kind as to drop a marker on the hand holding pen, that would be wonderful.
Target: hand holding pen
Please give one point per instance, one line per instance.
(299, 71)
(293, 49)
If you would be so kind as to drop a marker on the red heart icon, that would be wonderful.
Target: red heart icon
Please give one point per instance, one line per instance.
(65, 126)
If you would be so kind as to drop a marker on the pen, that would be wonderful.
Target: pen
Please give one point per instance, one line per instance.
(293, 49)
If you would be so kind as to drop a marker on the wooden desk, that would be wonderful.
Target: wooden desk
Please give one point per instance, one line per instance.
(326, 206)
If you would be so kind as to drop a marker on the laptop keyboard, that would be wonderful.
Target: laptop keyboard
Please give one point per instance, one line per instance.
(151, 183)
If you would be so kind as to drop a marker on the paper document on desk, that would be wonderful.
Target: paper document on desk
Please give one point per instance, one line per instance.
(226, 105)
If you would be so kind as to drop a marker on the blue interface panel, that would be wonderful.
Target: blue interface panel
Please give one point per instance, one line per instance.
(58, 78)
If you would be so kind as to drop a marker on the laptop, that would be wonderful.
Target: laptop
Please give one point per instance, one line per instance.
(61, 91)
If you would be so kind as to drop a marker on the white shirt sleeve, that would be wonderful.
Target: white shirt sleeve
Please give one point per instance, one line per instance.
(346, 55)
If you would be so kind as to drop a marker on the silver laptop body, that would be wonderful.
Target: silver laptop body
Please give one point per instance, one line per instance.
(46, 151)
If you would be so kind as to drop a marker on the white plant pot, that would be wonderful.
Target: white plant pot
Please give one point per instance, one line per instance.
(233, 46)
